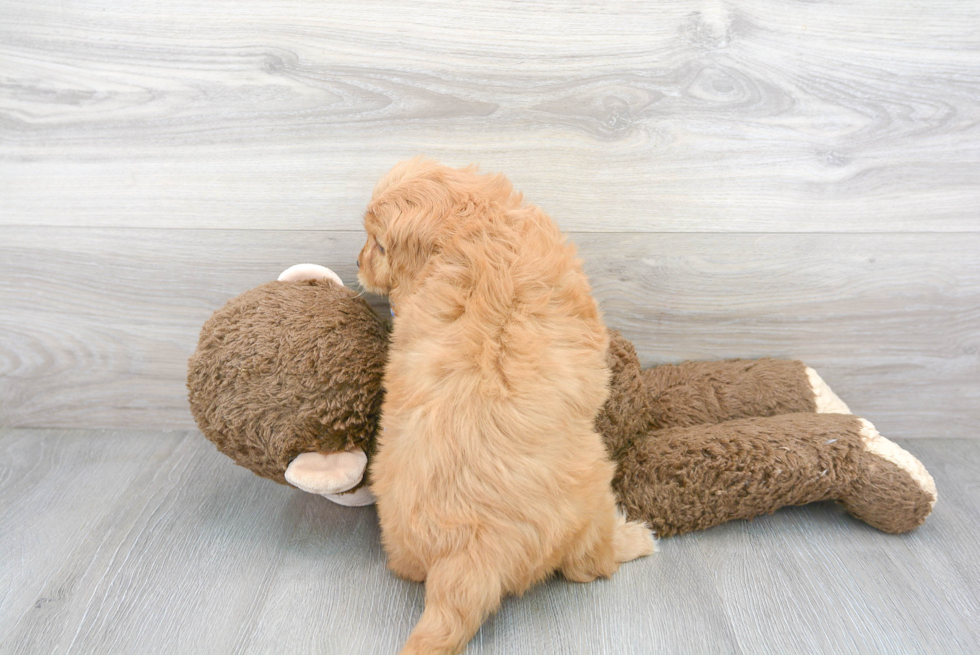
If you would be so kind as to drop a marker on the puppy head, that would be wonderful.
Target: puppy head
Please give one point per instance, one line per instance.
(415, 211)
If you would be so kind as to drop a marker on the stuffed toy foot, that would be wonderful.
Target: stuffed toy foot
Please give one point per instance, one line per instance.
(690, 478)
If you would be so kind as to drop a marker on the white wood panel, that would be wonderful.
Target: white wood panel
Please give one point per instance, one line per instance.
(892, 322)
(695, 115)
(97, 324)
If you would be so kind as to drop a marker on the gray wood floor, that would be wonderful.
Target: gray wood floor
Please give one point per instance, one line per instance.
(120, 542)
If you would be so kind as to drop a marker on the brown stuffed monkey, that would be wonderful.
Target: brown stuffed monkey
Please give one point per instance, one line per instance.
(287, 381)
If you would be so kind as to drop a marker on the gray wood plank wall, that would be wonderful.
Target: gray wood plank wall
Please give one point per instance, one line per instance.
(795, 179)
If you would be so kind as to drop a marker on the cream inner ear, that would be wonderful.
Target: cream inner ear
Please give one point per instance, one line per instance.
(301, 272)
(325, 475)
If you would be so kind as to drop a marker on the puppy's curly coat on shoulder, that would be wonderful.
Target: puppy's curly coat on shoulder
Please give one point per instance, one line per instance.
(489, 474)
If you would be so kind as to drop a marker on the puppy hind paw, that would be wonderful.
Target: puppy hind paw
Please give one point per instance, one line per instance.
(632, 540)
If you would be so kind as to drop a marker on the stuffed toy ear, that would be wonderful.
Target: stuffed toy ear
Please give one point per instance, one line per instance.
(325, 475)
(332, 476)
(301, 272)
(357, 498)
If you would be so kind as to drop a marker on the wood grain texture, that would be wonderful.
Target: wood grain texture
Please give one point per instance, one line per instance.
(97, 324)
(793, 179)
(673, 116)
(154, 542)
(56, 495)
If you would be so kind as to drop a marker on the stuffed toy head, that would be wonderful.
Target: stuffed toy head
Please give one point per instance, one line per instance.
(286, 381)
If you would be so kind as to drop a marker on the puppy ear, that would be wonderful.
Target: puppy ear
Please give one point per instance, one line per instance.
(416, 217)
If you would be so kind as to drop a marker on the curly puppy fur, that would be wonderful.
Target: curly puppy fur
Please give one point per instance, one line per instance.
(489, 473)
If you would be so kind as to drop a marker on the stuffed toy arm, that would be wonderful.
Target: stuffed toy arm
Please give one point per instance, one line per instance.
(698, 393)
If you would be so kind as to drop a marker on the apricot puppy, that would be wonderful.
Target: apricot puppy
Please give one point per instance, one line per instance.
(489, 474)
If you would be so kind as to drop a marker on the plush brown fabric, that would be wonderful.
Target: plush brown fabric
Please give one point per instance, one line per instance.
(698, 393)
(293, 367)
(701, 443)
(690, 478)
(626, 416)
(694, 393)
(884, 496)
(288, 368)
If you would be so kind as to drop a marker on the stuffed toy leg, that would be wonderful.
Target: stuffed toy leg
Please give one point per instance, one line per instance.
(718, 441)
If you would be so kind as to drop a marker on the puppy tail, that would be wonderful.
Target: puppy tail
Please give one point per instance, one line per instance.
(632, 540)
(459, 595)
